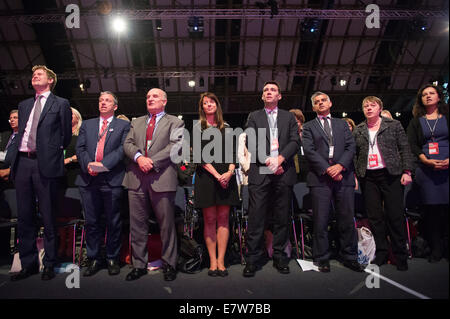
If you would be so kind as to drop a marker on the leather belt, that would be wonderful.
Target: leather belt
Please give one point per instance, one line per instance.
(28, 154)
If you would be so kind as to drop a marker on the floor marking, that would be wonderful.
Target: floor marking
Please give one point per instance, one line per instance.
(396, 284)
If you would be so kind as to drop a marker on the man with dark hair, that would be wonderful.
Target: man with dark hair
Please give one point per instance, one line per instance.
(45, 130)
(7, 143)
(271, 179)
(100, 154)
(329, 148)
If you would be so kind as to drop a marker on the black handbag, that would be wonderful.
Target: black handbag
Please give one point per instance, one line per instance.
(191, 255)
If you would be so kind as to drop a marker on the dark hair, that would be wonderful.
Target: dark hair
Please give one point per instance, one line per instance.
(298, 115)
(274, 83)
(419, 109)
(218, 116)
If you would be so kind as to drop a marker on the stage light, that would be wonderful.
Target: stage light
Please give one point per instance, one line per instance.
(344, 114)
(398, 114)
(333, 80)
(195, 27)
(445, 85)
(82, 87)
(119, 25)
(191, 83)
(201, 82)
(358, 81)
(158, 25)
(435, 82)
(180, 116)
(342, 82)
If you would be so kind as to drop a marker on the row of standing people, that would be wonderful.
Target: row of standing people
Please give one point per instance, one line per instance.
(151, 178)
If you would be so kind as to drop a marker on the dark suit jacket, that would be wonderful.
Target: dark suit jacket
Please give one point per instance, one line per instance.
(10, 152)
(112, 153)
(54, 132)
(288, 140)
(316, 148)
(392, 143)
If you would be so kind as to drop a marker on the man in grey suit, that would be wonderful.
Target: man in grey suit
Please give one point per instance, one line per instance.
(151, 180)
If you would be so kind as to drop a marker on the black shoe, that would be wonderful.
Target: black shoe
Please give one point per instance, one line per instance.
(249, 270)
(93, 268)
(222, 273)
(353, 265)
(402, 265)
(213, 273)
(170, 273)
(48, 273)
(25, 273)
(281, 267)
(113, 267)
(379, 260)
(324, 266)
(136, 273)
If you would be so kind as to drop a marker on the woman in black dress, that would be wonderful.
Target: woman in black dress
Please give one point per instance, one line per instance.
(429, 140)
(215, 187)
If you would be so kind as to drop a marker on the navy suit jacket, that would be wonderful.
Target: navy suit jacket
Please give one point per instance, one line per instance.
(54, 132)
(288, 140)
(112, 153)
(316, 148)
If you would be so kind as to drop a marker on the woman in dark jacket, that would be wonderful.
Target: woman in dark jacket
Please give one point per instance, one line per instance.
(383, 165)
(429, 140)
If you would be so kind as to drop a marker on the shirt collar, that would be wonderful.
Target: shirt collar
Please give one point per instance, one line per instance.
(272, 111)
(45, 94)
(322, 117)
(158, 115)
(109, 119)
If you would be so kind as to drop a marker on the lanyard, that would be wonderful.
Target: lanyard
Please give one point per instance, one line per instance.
(104, 132)
(434, 127)
(372, 143)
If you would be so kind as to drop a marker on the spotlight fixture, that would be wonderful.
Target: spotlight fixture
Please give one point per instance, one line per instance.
(398, 114)
(342, 82)
(158, 25)
(273, 4)
(344, 114)
(310, 26)
(191, 83)
(201, 82)
(358, 81)
(119, 25)
(196, 27)
(180, 116)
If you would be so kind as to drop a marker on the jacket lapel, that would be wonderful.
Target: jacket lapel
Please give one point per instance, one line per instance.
(48, 104)
(160, 126)
(110, 130)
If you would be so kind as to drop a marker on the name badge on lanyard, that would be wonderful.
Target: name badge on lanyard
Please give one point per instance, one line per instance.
(433, 148)
(373, 160)
(331, 151)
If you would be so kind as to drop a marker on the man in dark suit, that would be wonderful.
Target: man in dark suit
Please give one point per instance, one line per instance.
(45, 123)
(8, 145)
(329, 147)
(100, 154)
(151, 180)
(8, 150)
(270, 178)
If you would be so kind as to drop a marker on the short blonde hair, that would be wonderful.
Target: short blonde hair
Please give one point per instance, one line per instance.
(50, 74)
(372, 99)
(80, 120)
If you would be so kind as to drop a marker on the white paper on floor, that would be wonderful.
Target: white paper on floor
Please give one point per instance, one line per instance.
(307, 265)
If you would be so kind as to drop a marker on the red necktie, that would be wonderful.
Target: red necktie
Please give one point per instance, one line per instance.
(101, 142)
(150, 130)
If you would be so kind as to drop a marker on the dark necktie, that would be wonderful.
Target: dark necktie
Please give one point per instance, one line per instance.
(34, 124)
(327, 129)
(150, 130)
(101, 142)
(11, 138)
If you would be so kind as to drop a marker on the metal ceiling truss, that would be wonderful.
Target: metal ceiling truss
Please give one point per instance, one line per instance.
(325, 70)
(158, 14)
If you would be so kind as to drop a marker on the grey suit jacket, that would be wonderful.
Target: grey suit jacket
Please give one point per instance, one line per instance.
(163, 176)
(392, 143)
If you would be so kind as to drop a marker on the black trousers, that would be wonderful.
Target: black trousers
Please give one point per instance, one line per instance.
(275, 194)
(344, 204)
(383, 197)
(30, 184)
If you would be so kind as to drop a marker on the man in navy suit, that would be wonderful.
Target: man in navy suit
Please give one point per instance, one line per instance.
(271, 178)
(100, 154)
(329, 148)
(45, 130)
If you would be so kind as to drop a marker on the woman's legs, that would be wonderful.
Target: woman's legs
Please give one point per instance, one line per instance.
(209, 232)
(223, 232)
